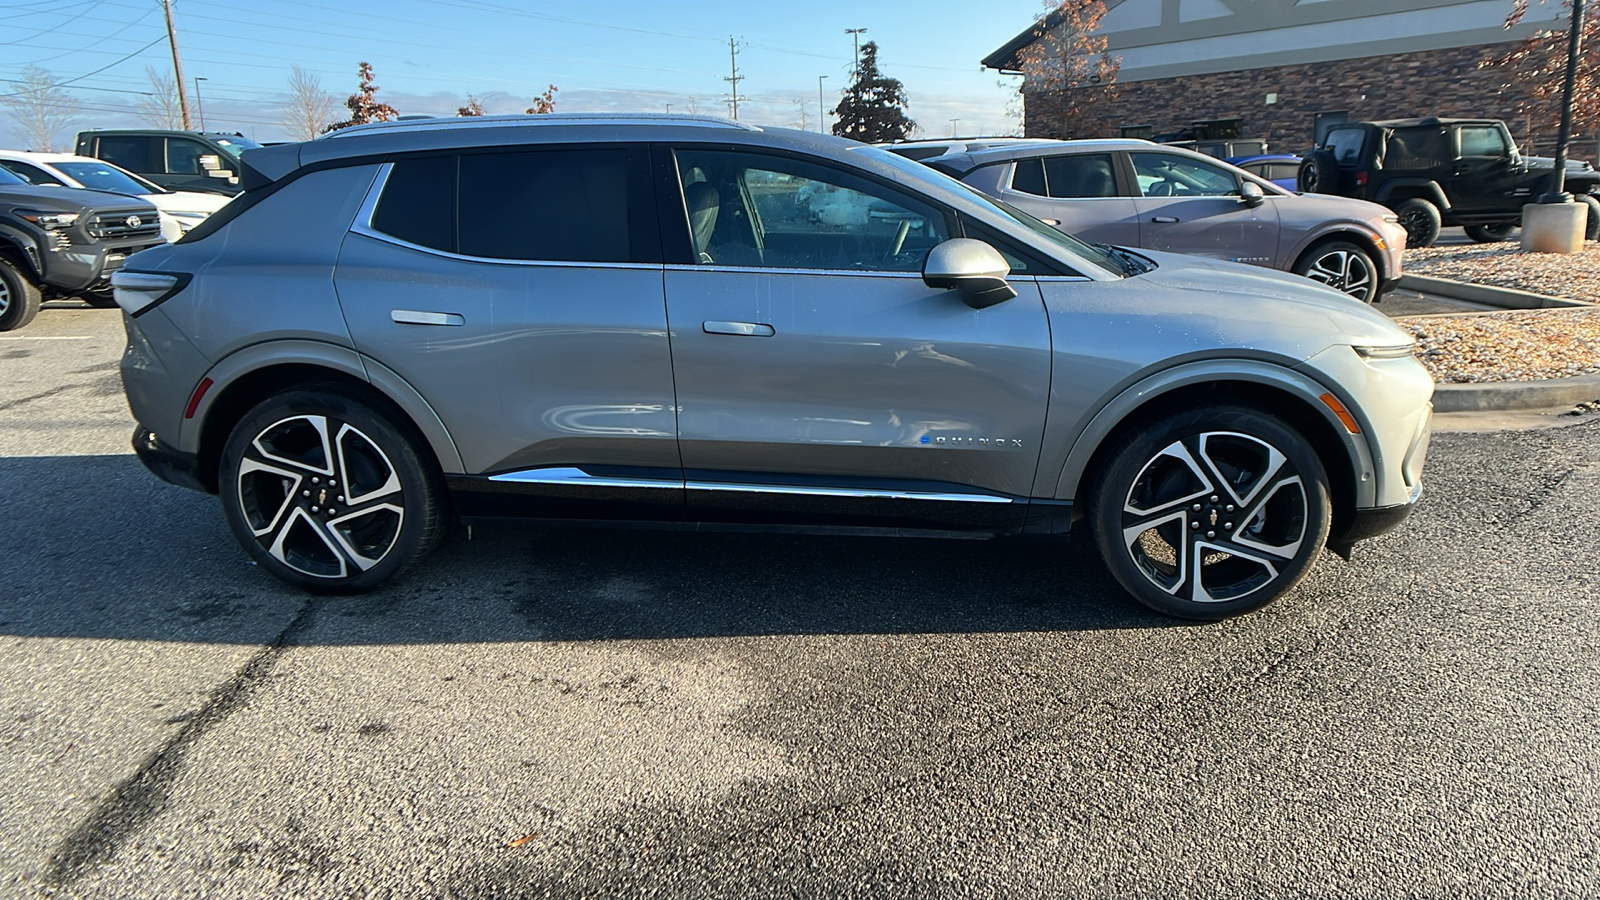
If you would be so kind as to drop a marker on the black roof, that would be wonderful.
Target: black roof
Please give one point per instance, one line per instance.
(1424, 122)
(1005, 59)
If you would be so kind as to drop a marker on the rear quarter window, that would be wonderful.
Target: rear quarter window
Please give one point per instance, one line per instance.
(1345, 144)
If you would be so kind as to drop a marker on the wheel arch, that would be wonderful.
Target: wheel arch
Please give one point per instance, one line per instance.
(21, 249)
(1349, 236)
(1401, 189)
(254, 373)
(1291, 396)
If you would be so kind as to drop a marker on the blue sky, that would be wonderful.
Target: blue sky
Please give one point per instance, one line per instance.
(428, 56)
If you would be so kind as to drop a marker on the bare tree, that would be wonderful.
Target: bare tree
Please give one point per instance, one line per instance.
(474, 107)
(1067, 71)
(160, 108)
(692, 106)
(40, 107)
(802, 120)
(309, 108)
(364, 104)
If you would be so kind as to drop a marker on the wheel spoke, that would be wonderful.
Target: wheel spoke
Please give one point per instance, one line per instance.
(348, 528)
(311, 451)
(261, 520)
(364, 471)
(1196, 586)
(1252, 528)
(1161, 507)
(1257, 479)
(289, 545)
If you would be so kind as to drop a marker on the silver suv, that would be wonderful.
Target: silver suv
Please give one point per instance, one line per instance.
(697, 323)
(1134, 193)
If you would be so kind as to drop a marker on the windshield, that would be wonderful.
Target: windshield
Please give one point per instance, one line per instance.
(236, 145)
(1059, 238)
(105, 177)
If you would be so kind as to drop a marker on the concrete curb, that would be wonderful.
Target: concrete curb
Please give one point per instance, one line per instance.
(1500, 396)
(1505, 298)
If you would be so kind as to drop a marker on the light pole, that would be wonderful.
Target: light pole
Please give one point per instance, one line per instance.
(199, 107)
(855, 34)
(1558, 181)
(953, 123)
(822, 117)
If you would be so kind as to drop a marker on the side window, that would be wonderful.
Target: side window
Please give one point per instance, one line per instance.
(1282, 172)
(1483, 140)
(1416, 148)
(555, 205)
(1165, 175)
(136, 154)
(1028, 177)
(183, 157)
(418, 203)
(30, 174)
(1087, 175)
(750, 209)
(1345, 144)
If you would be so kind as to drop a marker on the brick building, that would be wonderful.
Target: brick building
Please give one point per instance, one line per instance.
(1282, 69)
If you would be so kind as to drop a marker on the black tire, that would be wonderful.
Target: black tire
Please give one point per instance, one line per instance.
(1343, 266)
(294, 455)
(19, 297)
(1421, 221)
(1319, 174)
(1489, 234)
(1262, 519)
(105, 300)
(1591, 232)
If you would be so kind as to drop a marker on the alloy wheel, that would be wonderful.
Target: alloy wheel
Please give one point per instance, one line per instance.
(1344, 271)
(320, 496)
(5, 296)
(1215, 517)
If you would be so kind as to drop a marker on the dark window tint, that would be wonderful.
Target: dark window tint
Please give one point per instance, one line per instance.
(30, 174)
(1088, 175)
(1345, 144)
(136, 154)
(1282, 171)
(418, 203)
(183, 157)
(1484, 140)
(1417, 148)
(559, 205)
(1028, 178)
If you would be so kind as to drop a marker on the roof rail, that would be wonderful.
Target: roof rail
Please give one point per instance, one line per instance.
(453, 122)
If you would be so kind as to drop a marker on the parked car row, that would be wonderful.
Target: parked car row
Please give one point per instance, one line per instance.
(692, 323)
(68, 222)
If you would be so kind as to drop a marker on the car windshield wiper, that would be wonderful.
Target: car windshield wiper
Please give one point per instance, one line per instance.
(1131, 263)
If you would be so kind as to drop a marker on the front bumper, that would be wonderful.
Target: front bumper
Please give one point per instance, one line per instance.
(167, 464)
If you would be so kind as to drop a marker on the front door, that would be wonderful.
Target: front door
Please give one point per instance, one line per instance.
(1485, 178)
(1193, 206)
(819, 380)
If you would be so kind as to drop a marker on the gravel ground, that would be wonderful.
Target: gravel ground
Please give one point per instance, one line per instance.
(1516, 345)
(1575, 276)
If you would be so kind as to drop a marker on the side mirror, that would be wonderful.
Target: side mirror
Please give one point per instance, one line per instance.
(1251, 194)
(972, 267)
(210, 162)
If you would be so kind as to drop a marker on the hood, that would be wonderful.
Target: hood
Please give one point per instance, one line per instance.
(1237, 291)
(188, 202)
(54, 198)
(1308, 208)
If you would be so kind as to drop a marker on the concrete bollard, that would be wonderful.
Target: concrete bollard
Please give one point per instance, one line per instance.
(1554, 227)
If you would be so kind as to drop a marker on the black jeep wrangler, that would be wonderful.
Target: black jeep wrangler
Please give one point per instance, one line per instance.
(65, 242)
(1434, 172)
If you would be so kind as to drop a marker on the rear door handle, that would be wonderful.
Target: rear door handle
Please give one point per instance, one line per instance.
(1165, 220)
(747, 329)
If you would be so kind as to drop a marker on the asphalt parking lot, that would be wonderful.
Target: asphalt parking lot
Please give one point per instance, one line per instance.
(544, 713)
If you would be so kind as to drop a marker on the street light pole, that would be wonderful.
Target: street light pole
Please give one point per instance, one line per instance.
(822, 117)
(1558, 181)
(199, 106)
(855, 34)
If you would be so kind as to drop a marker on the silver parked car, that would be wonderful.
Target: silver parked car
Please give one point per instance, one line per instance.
(697, 323)
(1134, 193)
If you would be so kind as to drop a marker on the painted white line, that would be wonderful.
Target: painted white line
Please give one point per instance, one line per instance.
(49, 337)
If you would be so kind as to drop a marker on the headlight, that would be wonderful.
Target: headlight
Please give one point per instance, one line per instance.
(1386, 351)
(48, 221)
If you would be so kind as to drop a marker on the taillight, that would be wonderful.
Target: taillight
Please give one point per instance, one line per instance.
(1361, 179)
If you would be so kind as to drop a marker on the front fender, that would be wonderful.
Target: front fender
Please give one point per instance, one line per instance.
(1213, 371)
(27, 249)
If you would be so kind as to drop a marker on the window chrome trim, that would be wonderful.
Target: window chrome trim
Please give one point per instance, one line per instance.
(369, 206)
(870, 273)
(1063, 279)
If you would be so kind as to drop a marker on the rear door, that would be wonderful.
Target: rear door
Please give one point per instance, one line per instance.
(1187, 205)
(1078, 193)
(819, 380)
(519, 291)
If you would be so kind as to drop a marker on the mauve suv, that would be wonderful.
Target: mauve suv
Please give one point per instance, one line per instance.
(700, 324)
(1134, 193)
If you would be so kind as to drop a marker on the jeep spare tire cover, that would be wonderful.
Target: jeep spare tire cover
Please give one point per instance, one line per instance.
(1319, 174)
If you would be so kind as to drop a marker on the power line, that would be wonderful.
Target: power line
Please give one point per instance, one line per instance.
(88, 74)
(56, 27)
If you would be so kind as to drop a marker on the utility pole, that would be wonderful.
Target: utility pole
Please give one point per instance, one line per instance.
(822, 117)
(734, 79)
(177, 66)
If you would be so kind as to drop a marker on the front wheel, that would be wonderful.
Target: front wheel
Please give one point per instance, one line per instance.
(1210, 513)
(1342, 266)
(1489, 234)
(19, 297)
(328, 493)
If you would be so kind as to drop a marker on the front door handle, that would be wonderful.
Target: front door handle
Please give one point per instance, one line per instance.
(747, 329)
(1165, 220)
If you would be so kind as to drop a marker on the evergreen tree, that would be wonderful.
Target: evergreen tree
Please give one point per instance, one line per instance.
(364, 105)
(874, 107)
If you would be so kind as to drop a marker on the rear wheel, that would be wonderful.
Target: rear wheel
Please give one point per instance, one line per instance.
(19, 297)
(1211, 513)
(1421, 221)
(1489, 234)
(326, 492)
(1342, 266)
